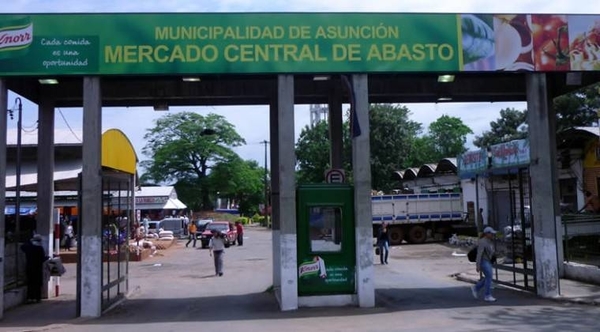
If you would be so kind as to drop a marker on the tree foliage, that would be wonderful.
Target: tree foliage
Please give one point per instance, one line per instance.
(392, 137)
(312, 152)
(578, 108)
(179, 151)
(396, 143)
(422, 152)
(448, 136)
(511, 125)
(574, 109)
(240, 180)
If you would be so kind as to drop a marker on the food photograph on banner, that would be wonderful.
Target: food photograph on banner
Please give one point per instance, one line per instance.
(541, 42)
(584, 34)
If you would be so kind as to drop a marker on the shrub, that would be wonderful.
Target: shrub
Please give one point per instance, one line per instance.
(257, 218)
(243, 220)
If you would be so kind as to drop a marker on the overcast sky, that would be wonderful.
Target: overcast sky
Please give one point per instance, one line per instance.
(252, 121)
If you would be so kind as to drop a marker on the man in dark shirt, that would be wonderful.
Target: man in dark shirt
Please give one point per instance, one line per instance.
(383, 242)
(35, 256)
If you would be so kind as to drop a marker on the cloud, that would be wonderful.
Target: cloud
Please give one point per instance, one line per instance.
(413, 6)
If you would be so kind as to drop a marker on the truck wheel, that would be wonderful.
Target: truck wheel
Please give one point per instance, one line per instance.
(396, 235)
(417, 234)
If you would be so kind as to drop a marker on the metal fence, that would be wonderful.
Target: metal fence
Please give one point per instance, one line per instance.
(581, 238)
(14, 266)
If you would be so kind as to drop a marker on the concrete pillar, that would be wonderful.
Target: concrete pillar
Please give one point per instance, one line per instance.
(336, 122)
(544, 184)
(361, 170)
(285, 195)
(275, 210)
(45, 183)
(3, 122)
(90, 226)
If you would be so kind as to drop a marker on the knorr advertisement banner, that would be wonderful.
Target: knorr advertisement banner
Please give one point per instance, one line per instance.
(315, 276)
(224, 43)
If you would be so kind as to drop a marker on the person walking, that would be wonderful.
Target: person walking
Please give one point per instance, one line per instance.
(216, 248)
(35, 256)
(240, 233)
(383, 242)
(192, 230)
(486, 257)
(69, 236)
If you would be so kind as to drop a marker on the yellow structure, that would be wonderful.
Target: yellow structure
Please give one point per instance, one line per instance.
(118, 152)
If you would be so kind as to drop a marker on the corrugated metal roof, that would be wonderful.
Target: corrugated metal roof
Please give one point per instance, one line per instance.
(593, 130)
(61, 136)
(63, 170)
(156, 191)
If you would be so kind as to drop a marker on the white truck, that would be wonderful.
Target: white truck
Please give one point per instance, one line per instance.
(411, 217)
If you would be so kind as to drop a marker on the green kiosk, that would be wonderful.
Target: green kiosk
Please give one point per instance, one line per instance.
(326, 239)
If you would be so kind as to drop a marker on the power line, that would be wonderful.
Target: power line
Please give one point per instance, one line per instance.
(68, 125)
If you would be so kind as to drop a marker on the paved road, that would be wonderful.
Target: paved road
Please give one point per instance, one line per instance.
(179, 292)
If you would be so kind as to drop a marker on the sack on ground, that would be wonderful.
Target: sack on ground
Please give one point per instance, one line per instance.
(472, 255)
(55, 267)
(377, 251)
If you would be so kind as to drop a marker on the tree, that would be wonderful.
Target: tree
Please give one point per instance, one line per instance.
(240, 180)
(448, 136)
(574, 109)
(511, 125)
(578, 108)
(180, 151)
(393, 137)
(313, 149)
(422, 152)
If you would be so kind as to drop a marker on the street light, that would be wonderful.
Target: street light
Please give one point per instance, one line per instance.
(207, 132)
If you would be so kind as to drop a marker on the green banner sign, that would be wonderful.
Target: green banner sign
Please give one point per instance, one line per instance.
(223, 43)
(316, 273)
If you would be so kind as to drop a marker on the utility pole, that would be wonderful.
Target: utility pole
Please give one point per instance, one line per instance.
(19, 107)
(265, 142)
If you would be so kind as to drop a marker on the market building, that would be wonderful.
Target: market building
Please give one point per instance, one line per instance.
(105, 60)
(158, 202)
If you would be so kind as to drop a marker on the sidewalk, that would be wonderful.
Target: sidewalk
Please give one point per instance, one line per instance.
(570, 290)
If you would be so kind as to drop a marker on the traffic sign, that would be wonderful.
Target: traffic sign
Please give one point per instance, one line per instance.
(335, 175)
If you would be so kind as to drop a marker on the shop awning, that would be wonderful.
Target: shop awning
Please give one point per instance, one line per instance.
(174, 204)
(171, 204)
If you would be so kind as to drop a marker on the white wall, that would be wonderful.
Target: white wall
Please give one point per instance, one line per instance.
(470, 194)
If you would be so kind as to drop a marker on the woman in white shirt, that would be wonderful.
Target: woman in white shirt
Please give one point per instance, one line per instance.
(216, 248)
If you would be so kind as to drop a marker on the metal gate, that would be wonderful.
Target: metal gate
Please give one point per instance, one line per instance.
(510, 202)
(117, 216)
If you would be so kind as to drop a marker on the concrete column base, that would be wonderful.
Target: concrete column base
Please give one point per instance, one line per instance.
(328, 301)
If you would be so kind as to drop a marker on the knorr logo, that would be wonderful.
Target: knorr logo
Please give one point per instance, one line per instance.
(16, 35)
(313, 268)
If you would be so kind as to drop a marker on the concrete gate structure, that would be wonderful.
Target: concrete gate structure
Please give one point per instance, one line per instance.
(103, 60)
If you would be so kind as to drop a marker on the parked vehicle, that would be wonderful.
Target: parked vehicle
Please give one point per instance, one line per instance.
(224, 227)
(201, 226)
(174, 225)
(153, 227)
(411, 217)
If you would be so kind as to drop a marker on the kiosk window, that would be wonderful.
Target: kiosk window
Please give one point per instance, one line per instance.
(325, 229)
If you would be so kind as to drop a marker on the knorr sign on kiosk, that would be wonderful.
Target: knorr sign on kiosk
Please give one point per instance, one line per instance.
(107, 44)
